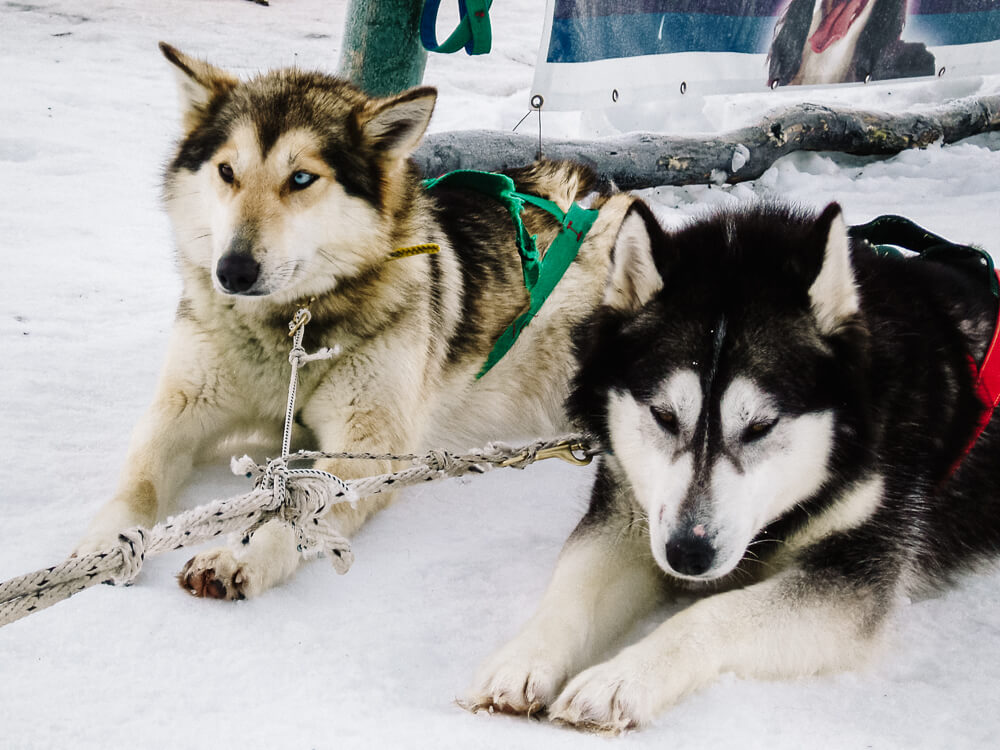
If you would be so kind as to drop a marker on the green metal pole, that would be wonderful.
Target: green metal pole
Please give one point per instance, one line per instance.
(382, 53)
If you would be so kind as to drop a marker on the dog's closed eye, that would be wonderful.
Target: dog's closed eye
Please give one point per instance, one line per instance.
(758, 429)
(666, 418)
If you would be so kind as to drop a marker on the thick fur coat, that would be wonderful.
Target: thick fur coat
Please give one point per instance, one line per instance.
(783, 411)
(296, 186)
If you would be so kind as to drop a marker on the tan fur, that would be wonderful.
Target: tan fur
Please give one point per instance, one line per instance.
(396, 387)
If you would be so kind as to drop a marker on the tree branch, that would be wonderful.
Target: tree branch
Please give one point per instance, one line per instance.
(641, 160)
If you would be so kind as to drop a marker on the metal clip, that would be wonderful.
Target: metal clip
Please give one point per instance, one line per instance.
(302, 317)
(565, 451)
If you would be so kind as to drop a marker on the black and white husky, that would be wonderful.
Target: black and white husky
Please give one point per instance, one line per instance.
(786, 415)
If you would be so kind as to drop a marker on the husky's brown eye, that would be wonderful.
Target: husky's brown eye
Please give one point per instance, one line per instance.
(757, 430)
(666, 419)
(226, 173)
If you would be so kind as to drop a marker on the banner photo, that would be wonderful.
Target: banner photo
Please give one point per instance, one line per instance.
(599, 53)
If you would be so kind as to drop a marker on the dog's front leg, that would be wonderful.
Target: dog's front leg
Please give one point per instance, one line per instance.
(604, 580)
(344, 417)
(791, 625)
(193, 407)
(367, 409)
(267, 558)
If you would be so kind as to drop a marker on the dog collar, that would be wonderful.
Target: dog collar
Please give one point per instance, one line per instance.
(427, 248)
(541, 273)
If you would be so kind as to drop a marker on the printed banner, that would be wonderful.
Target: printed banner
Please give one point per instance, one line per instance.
(599, 53)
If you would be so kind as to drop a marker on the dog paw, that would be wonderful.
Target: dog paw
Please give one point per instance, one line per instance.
(609, 698)
(103, 534)
(98, 542)
(216, 575)
(516, 681)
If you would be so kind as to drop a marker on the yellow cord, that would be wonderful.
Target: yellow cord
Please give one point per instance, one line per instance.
(428, 248)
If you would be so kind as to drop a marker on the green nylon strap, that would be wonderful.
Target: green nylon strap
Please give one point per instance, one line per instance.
(541, 274)
(473, 31)
(888, 234)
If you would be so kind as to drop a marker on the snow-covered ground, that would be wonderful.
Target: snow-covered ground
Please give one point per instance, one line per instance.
(374, 658)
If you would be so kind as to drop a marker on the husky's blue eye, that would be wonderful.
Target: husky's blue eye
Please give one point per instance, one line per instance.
(757, 430)
(301, 180)
(666, 419)
(226, 173)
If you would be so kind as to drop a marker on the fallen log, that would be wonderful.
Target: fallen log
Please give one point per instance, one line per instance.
(642, 160)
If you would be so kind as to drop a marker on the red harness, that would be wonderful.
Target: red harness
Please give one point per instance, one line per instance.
(987, 387)
(886, 235)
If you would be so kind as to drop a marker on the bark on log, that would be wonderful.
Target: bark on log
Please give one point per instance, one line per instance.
(641, 160)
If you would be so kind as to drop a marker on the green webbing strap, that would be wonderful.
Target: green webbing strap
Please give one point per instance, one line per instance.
(889, 233)
(473, 32)
(541, 274)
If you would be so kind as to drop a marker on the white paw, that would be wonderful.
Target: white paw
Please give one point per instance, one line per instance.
(523, 677)
(96, 542)
(612, 697)
(217, 574)
(103, 533)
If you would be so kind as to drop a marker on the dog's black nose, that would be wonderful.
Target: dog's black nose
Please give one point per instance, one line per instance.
(237, 272)
(690, 555)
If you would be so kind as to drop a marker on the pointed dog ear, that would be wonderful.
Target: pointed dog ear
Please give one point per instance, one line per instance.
(833, 296)
(394, 126)
(633, 278)
(199, 83)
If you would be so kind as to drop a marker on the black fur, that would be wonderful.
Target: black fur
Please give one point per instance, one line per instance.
(285, 100)
(897, 378)
(464, 215)
(201, 143)
(477, 226)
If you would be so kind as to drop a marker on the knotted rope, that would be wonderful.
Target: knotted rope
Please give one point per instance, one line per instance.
(300, 497)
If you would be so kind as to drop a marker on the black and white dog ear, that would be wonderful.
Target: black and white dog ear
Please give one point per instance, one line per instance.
(394, 126)
(633, 278)
(833, 296)
(199, 84)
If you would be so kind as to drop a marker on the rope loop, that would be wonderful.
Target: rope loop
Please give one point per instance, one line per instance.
(297, 356)
(322, 539)
(132, 545)
(438, 460)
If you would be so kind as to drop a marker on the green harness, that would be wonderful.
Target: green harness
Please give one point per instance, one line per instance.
(541, 274)
(473, 32)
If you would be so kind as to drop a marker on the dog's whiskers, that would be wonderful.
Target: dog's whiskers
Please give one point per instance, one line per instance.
(766, 541)
(638, 522)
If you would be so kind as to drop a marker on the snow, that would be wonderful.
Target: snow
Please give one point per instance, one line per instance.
(374, 658)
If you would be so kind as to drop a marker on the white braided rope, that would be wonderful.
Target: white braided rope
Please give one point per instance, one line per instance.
(309, 495)
(300, 497)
